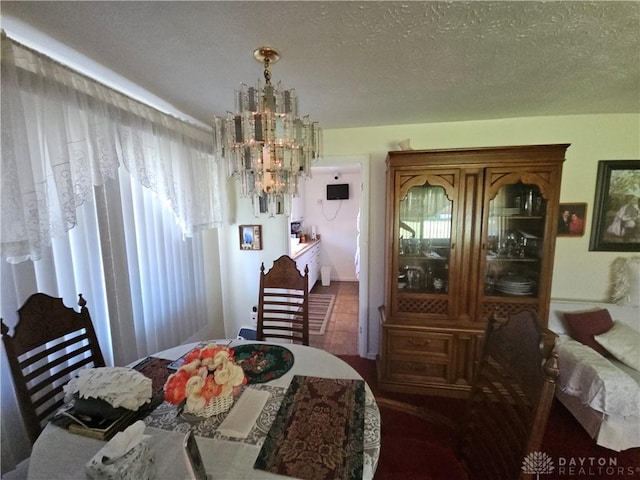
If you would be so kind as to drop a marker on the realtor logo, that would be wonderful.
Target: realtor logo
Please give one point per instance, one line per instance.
(537, 463)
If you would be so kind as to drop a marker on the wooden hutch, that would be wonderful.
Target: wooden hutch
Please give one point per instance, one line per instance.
(469, 232)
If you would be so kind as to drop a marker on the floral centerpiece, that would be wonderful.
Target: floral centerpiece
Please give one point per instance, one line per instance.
(205, 384)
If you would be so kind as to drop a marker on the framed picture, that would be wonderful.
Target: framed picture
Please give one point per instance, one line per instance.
(571, 219)
(250, 237)
(616, 214)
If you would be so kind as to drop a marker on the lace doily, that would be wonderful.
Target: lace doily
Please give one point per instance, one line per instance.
(119, 386)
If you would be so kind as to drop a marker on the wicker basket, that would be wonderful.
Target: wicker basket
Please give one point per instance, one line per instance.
(215, 406)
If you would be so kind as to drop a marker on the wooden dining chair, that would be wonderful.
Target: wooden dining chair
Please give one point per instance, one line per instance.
(510, 400)
(49, 345)
(283, 303)
(500, 436)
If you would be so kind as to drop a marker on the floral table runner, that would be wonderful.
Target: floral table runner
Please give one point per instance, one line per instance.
(155, 369)
(318, 433)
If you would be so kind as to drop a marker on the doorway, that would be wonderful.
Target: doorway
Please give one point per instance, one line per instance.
(347, 285)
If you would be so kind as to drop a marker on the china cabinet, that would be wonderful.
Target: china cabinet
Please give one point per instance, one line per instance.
(469, 232)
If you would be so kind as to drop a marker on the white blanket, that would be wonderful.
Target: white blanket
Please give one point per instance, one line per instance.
(607, 386)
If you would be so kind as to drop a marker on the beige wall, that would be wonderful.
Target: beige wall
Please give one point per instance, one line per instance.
(578, 273)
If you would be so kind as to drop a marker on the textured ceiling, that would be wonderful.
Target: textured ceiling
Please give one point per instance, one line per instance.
(364, 63)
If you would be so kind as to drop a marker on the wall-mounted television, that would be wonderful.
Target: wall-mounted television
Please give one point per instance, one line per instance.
(338, 191)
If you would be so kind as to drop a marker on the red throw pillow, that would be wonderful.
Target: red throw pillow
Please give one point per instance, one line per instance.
(582, 326)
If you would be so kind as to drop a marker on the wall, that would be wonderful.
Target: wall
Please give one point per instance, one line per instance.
(578, 273)
(335, 221)
(240, 269)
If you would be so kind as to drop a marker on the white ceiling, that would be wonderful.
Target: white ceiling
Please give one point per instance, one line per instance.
(364, 63)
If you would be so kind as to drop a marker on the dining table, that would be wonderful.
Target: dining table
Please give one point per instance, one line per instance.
(60, 454)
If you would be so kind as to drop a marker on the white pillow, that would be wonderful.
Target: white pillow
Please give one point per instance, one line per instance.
(623, 342)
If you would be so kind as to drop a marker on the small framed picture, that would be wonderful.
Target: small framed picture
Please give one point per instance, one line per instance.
(572, 219)
(250, 237)
(616, 213)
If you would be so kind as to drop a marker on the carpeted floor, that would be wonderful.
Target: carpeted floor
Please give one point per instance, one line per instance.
(414, 447)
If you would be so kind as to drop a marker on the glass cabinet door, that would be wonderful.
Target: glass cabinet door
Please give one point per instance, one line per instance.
(514, 241)
(424, 231)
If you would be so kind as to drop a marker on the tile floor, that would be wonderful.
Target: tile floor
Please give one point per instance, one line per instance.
(341, 335)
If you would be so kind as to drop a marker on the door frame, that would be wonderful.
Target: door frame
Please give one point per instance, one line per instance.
(363, 278)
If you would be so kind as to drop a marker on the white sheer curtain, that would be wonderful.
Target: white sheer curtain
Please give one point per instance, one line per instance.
(63, 133)
(76, 216)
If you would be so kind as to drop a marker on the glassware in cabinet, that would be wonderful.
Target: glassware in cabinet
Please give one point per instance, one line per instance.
(424, 229)
(515, 240)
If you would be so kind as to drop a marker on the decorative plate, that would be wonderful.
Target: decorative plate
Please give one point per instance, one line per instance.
(262, 363)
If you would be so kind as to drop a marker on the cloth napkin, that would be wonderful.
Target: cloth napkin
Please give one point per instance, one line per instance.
(240, 420)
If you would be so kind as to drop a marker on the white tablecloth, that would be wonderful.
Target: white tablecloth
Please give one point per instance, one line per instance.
(58, 454)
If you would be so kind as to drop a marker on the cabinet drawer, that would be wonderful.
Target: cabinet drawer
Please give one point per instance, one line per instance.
(420, 370)
(405, 342)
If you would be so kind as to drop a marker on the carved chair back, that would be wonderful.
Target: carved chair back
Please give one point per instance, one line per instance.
(283, 303)
(49, 344)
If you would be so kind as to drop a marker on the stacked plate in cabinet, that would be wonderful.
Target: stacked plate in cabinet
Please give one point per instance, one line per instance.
(515, 285)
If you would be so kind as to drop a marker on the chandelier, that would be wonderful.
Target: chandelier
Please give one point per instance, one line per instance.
(265, 144)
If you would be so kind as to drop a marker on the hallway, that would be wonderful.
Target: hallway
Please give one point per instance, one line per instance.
(341, 336)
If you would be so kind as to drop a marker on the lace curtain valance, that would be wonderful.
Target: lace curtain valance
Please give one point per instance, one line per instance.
(64, 133)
